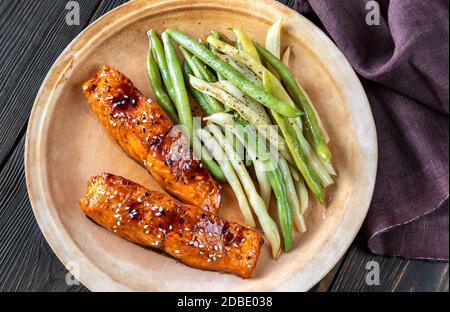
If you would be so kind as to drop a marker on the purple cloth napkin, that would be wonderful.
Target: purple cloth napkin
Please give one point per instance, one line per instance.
(403, 64)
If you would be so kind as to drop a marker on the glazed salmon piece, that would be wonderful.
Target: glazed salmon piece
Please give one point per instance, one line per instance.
(191, 234)
(146, 133)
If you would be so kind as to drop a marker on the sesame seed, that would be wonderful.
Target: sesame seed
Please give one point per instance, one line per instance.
(177, 251)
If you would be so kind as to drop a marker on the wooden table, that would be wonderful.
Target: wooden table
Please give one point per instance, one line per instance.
(33, 34)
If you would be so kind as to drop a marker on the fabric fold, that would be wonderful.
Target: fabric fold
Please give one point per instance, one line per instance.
(403, 64)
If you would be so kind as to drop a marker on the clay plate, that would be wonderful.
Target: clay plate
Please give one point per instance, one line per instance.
(66, 145)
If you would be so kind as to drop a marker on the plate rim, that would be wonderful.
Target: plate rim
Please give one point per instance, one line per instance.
(36, 190)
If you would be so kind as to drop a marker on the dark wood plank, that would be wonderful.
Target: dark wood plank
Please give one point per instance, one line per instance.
(396, 274)
(34, 33)
(6, 9)
(325, 284)
(106, 6)
(26, 261)
(289, 3)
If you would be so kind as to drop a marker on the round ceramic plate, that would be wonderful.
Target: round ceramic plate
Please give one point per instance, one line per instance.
(66, 145)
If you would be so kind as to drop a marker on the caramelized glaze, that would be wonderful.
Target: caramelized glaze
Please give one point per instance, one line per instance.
(188, 233)
(147, 134)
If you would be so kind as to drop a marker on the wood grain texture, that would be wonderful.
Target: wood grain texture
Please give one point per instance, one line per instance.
(30, 45)
(396, 274)
(27, 262)
(37, 33)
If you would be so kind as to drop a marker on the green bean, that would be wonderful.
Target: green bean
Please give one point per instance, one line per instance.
(296, 150)
(311, 124)
(292, 196)
(216, 150)
(213, 167)
(267, 224)
(287, 56)
(295, 172)
(259, 119)
(255, 66)
(273, 43)
(199, 97)
(303, 192)
(273, 171)
(244, 70)
(216, 34)
(245, 43)
(247, 112)
(283, 207)
(318, 165)
(160, 56)
(241, 96)
(210, 164)
(274, 38)
(214, 106)
(176, 76)
(238, 66)
(264, 184)
(154, 77)
(233, 76)
(258, 69)
(204, 70)
(248, 159)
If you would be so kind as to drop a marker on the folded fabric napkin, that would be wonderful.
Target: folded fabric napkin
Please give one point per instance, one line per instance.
(403, 64)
